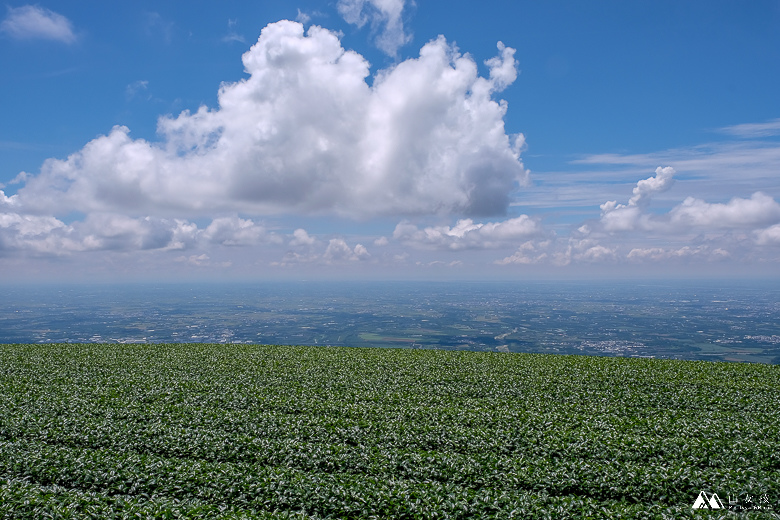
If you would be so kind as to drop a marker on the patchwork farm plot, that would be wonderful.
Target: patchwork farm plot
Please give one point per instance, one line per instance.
(249, 431)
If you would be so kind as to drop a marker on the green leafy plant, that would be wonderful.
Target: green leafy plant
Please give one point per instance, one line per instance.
(251, 431)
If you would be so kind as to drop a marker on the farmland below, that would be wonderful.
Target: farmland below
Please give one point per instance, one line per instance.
(693, 320)
(251, 431)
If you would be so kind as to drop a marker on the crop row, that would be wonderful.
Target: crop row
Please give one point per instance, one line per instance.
(267, 432)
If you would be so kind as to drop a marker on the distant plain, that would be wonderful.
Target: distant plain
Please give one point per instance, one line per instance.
(705, 320)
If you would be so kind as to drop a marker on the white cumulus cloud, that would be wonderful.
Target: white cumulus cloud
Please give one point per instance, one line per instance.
(235, 231)
(302, 238)
(115, 232)
(768, 236)
(339, 251)
(692, 214)
(758, 210)
(646, 188)
(466, 234)
(309, 251)
(626, 217)
(529, 252)
(97, 232)
(305, 133)
(37, 234)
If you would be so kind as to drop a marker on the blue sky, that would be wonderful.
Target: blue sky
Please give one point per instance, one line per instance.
(368, 138)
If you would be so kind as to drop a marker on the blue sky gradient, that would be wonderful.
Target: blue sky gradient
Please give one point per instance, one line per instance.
(389, 139)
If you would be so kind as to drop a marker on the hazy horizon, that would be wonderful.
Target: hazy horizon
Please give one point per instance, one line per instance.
(674, 320)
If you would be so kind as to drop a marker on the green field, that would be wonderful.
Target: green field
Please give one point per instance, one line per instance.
(248, 431)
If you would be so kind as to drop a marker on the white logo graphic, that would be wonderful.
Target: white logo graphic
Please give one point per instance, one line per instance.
(705, 502)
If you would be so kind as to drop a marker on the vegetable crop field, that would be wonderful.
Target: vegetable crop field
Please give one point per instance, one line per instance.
(252, 431)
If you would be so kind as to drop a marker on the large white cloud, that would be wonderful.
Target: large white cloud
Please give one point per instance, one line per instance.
(305, 133)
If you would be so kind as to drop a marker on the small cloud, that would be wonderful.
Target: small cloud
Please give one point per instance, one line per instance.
(596, 253)
(156, 25)
(386, 14)
(235, 231)
(232, 35)
(660, 254)
(21, 177)
(440, 263)
(32, 22)
(753, 130)
(769, 236)
(646, 188)
(760, 209)
(136, 88)
(503, 72)
(529, 252)
(302, 17)
(622, 217)
(301, 238)
(201, 260)
(339, 251)
(466, 234)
